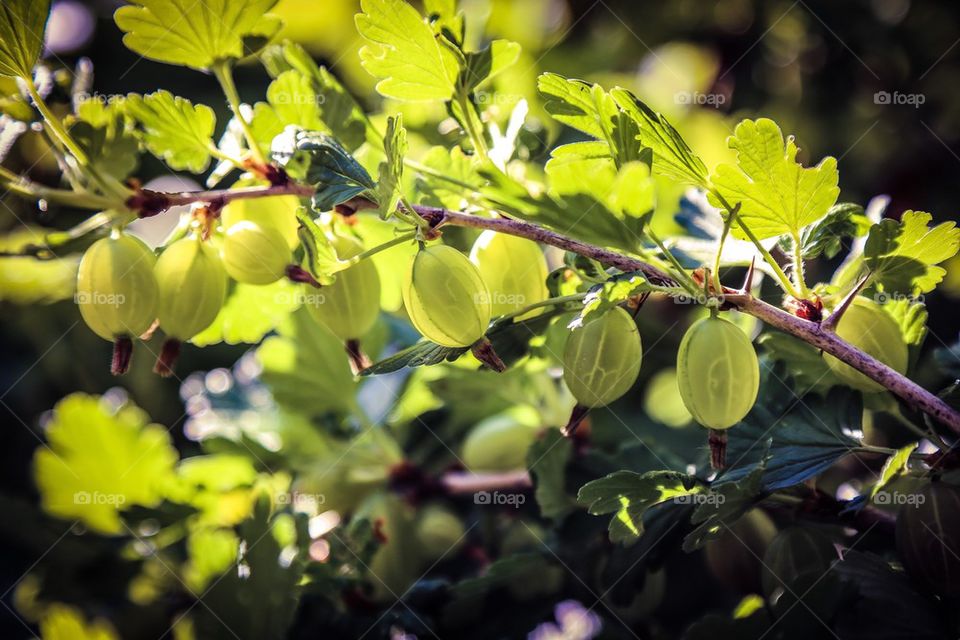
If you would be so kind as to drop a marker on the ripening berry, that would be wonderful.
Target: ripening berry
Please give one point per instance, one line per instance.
(446, 298)
(192, 284)
(349, 307)
(278, 212)
(439, 532)
(117, 292)
(869, 328)
(514, 270)
(601, 359)
(717, 372)
(253, 254)
(500, 442)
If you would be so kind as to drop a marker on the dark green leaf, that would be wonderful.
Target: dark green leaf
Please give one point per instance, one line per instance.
(547, 460)
(843, 220)
(336, 174)
(802, 361)
(725, 503)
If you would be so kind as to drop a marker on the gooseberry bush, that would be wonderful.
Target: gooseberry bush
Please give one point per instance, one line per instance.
(476, 364)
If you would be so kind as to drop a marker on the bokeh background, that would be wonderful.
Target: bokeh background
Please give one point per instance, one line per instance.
(874, 83)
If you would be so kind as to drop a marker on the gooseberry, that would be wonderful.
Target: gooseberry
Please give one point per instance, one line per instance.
(601, 359)
(514, 270)
(254, 254)
(117, 292)
(192, 284)
(446, 298)
(349, 307)
(500, 442)
(717, 372)
(278, 212)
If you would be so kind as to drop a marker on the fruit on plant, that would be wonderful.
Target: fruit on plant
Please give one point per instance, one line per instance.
(794, 553)
(117, 292)
(928, 538)
(439, 533)
(734, 557)
(601, 359)
(868, 327)
(514, 270)
(500, 442)
(254, 254)
(718, 373)
(349, 307)
(278, 212)
(662, 401)
(192, 284)
(446, 298)
(395, 564)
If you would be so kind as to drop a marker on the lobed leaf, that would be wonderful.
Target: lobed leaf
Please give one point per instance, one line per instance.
(903, 256)
(173, 129)
(389, 185)
(22, 24)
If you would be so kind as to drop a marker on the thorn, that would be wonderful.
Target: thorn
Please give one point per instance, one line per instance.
(830, 324)
(748, 280)
(576, 417)
(483, 351)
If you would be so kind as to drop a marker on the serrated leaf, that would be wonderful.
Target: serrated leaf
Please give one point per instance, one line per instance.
(99, 128)
(453, 163)
(250, 312)
(99, 461)
(672, 156)
(547, 460)
(199, 34)
(319, 254)
(22, 24)
(173, 129)
(825, 237)
(336, 174)
(628, 495)
(615, 290)
(805, 437)
(911, 317)
(895, 466)
(306, 368)
(903, 257)
(390, 184)
(291, 100)
(404, 54)
(776, 194)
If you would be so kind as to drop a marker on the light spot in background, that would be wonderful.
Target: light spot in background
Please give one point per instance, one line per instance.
(69, 28)
(218, 381)
(890, 11)
(156, 229)
(323, 524)
(319, 550)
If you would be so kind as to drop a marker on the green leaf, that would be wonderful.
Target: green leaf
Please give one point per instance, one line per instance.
(291, 100)
(895, 466)
(391, 170)
(802, 361)
(99, 461)
(628, 495)
(197, 34)
(21, 35)
(250, 312)
(173, 129)
(777, 195)
(100, 129)
(319, 254)
(805, 438)
(725, 503)
(484, 65)
(615, 290)
(453, 163)
(402, 51)
(844, 220)
(588, 108)
(547, 460)
(341, 114)
(903, 257)
(336, 174)
(672, 156)
(306, 368)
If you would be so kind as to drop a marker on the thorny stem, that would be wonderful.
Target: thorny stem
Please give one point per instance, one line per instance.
(808, 331)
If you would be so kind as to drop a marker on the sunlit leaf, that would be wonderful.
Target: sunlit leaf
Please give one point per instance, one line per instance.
(250, 312)
(903, 256)
(21, 35)
(173, 129)
(389, 184)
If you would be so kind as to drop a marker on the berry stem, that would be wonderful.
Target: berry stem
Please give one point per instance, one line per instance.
(122, 355)
(718, 449)
(169, 354)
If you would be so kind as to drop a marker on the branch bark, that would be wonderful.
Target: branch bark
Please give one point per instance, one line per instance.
(811, 332)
